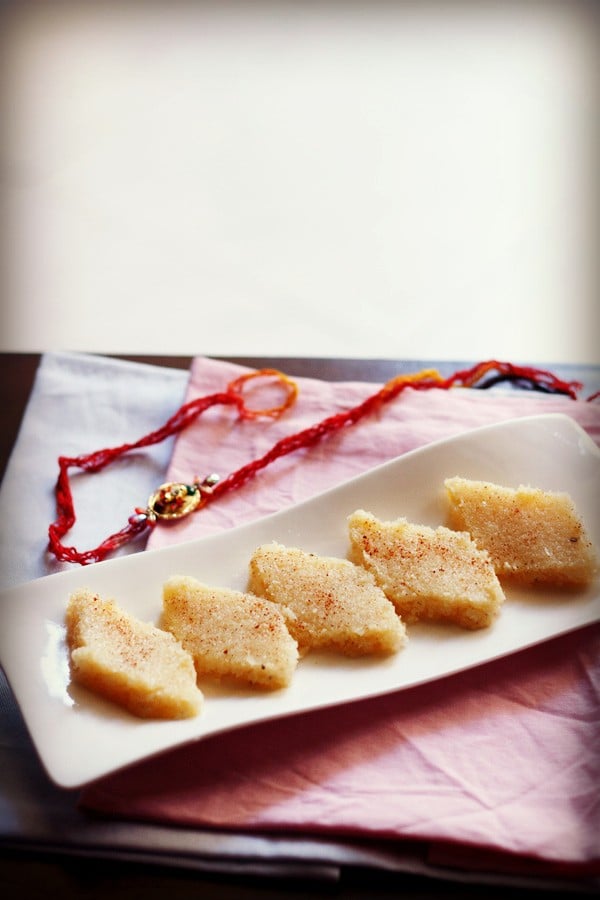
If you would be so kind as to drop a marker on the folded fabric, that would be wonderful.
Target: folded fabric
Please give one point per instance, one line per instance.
(81, 403)
(503, 758)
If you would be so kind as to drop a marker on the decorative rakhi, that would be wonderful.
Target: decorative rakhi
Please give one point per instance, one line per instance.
(175, 500)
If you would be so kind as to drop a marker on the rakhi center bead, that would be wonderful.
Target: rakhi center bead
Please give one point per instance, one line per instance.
(174, 500)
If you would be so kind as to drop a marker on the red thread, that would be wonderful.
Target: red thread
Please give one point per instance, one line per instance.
(537, 379)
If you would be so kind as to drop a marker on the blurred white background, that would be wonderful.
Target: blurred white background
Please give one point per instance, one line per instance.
(384, 179)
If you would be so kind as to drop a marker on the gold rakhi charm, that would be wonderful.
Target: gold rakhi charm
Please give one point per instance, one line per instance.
(174, 500)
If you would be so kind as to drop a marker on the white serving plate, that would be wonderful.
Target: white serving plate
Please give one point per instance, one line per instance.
(80, 737)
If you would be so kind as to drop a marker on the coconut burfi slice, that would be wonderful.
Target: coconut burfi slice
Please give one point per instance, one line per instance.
(531, 535)
(230, 634)
(334, 604)
(428, 573)
(133, 663)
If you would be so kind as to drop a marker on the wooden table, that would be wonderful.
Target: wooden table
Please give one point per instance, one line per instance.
(28, 871)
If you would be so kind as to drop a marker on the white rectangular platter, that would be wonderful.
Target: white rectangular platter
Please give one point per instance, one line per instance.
(80, 737)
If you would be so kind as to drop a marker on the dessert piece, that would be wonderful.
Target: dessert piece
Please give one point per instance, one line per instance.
(229, 633)
(530, 534)
(427, 573)
(133, 663)
(334, 604)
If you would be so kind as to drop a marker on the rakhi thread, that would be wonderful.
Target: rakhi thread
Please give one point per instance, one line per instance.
(172, 501)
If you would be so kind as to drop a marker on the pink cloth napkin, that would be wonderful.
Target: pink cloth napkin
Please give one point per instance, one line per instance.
(501, 762)
(219, 442)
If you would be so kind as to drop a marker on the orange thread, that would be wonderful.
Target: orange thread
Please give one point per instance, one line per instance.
(236, 387)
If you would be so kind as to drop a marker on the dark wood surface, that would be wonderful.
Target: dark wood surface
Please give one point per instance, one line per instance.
(30, 872)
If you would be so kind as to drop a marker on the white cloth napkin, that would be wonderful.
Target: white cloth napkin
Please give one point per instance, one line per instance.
(78, 404)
